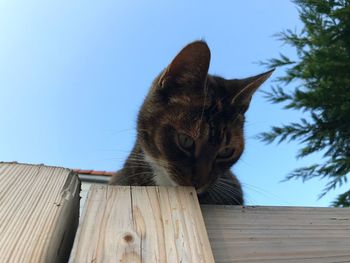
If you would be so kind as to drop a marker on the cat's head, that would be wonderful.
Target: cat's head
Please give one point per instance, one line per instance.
(190, 126)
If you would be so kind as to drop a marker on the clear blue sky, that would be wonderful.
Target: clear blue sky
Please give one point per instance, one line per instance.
(74, 73)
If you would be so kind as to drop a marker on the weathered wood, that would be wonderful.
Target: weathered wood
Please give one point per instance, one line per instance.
(278, 234)
(141, 224)
(39, 212)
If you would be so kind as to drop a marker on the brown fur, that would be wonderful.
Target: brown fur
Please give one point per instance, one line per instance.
(184, 99)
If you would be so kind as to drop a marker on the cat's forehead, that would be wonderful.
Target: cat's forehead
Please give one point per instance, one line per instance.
(199, 121)
(213, 93)
(200, 110)
(182, 99)
(192, 102)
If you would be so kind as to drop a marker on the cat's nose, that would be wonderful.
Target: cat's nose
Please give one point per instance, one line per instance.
(201, 175)
(200, 186)
(200, 178)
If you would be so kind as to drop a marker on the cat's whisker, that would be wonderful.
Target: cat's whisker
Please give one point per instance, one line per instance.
(204, 100)
(248, 199)
(143, 163)
(135, 163)
(136, 166)
(233, 195)
(143, 173)
(122, 130)
(227, 190)
(265, 193)
(225, 182)
(138, 176)
(147, 163)
(141, 157)
(112, 150)
(214, 193)
(224, 188)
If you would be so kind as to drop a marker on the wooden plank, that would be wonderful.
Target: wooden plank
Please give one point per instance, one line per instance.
(278, 234)
(39, 212)
(141, 224)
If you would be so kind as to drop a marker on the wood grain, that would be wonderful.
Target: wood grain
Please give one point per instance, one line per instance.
(278, 234)
(39, 212)
(141, 224)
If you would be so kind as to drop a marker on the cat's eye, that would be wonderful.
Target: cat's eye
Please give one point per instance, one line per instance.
(185, 141)
(225, 153)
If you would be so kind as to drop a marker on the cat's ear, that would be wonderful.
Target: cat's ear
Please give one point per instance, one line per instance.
(243, 89)
(190, 66)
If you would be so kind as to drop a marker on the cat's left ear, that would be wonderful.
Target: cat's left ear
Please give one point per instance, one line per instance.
(243, 89)
(190, 65)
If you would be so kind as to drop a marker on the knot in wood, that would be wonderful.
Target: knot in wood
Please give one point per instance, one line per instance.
(128, 238)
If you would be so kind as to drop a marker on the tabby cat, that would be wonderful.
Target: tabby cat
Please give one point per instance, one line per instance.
(190, 129)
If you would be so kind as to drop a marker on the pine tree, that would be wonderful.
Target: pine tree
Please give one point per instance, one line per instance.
(322, 72)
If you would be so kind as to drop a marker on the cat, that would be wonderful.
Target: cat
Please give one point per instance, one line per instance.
(190, 129)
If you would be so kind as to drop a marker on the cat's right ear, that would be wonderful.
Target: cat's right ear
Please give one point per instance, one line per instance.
(190, 66)
(243, 89)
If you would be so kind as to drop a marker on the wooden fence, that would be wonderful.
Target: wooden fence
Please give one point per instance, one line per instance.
(39, 214)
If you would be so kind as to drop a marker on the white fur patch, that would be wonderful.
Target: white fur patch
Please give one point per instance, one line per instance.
(161, 175)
